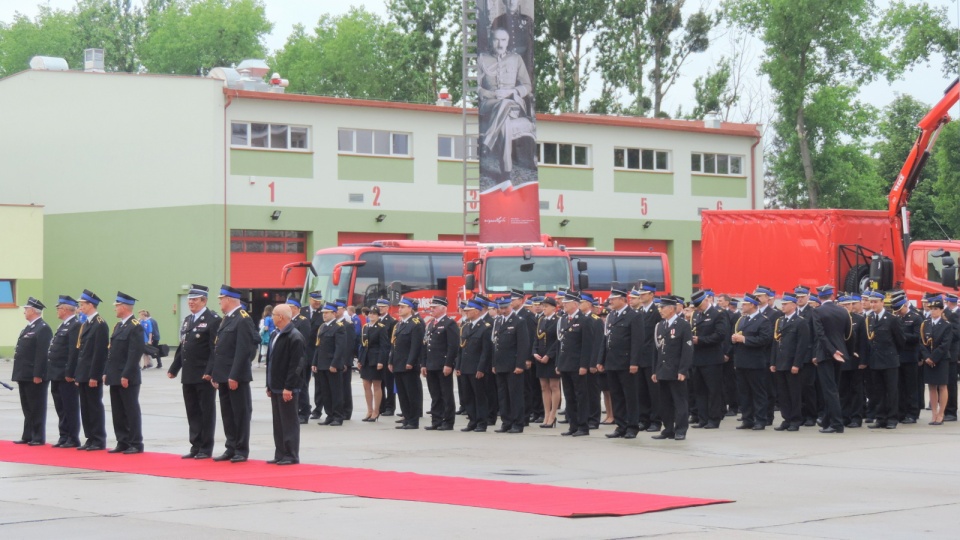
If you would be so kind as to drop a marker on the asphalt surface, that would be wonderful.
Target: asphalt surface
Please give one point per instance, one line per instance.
(861, 484)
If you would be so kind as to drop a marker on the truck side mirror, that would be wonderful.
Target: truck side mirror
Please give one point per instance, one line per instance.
(876, 269)
(950, 277)
(583, 281)
(471, 266)
(470, 282)
(394, 291)
(581, 266)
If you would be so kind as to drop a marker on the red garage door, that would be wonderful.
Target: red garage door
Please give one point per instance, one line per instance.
(637, 244)
(257, 257)
(570, 241)
(367, 237)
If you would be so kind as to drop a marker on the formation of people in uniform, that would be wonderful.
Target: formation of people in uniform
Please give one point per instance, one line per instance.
(661, 364)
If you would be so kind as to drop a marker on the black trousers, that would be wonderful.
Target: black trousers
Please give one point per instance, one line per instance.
(771, 386)
(907, 384)
(828, 373)
(674, 407)
(303, 397)
(125, 409)
(623, 394)
(532, 396)
(286, 427)
(317, 394)
(808, 392)
(474, 399)
(594, 395)
(789, 397)
(442, 407)
(886, 395)
(33, 402)
(331, 390)
(200, 401)
(870, 393)
(346, 391)
(92, 416)
(410, 395)
(708, 381)
(730, 394)
(510, 390)
(493, 397)
(236, 407)
(951, 408)
(389, 401)
(851, 395)
(576, 393)
(648, 395)
(66, 401)
(752, 384)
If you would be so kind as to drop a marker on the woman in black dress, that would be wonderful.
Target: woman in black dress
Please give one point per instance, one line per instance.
(545, 352)
(936, 336)
(374, 348)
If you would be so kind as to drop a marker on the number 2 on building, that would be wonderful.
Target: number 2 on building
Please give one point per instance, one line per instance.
(376, 195)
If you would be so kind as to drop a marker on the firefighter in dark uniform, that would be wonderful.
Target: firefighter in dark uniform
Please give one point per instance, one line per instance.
(473, 363)
(833, 328)
(316, 319)
(908, 371)
(346, 374)
(303, 325)
(852, 372)
(885, 335)
(388, 405)
(30, 373)
(531, 409)
(194, 355)
(936, 346)
(62, 357)
(92, 347)
(407, 340)
(641, 300)
(751, 339)
(594, 396)
(729, 307)
(330, 358)
(952, 312)
(441, 343)
(791, 345)
(236, 344)
(511, 340)
(122, 375)
(621, 363)
(710, 336)
(577, 355)
(767, 296)
(674, 340)
(808, 371)
(489, 314)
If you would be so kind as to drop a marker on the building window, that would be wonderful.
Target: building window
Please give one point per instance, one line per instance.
(373, 142)
(571, 155)
(272, 136)
(723, 164)
(639, 159)
(453, 147)
(8, 293)
(256, 241)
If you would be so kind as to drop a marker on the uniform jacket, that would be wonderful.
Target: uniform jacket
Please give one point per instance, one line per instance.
(352, 343)
(511, 343)
(407, 341)
(235, 347)
(712, 331)
(885, 336)
(195, 352)
(547, 344)
(937, 340)
(441, 343)
(624, 340)
(63, 350)
(806, 312)
(650, 318)
(754, 353)
(285, 360)
(954, 318)
(910, 353)
(577, 337)
(732, 318)
(303, 326)
(126, 351)
(476, 348)
(30, 356)
(857, 343)
(832, 324)
(530, 321)
(374, 345)
(92, 350)
(791, 342)
(674, 349)
(331, 346)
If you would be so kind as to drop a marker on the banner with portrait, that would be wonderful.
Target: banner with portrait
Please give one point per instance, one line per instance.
(509, 187)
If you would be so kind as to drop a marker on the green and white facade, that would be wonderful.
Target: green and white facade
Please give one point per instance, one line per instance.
(151, 183)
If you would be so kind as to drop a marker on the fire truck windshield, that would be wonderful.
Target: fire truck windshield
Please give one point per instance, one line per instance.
(505, 273)
(323, 281)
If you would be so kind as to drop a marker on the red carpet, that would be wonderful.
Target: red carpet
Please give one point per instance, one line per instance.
(531, 498)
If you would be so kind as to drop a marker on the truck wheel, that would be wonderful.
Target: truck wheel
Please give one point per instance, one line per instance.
(858, 279)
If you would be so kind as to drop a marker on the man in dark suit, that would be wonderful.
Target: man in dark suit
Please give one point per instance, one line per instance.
(61, 357)
(122, 375)
(710, 336)
(832, 327)
(674, 340)
(885, 335)
(728, 306)
(641, 300)
(346, 374)
(30, 373)
(407, 340)
(791, 345)
(302, 324)
(854, 373)
(908, 370)
(594, 395)
(91, 359)
(236, 344)
(577, 354)
(329, 360)
(316, 319)
(439, 358)
(808, 371)
(518, 303)
(621, 363)
(388, 405)
(751, 340)
(284, 364)
(476, 352)
(198, 333)
(511, 348)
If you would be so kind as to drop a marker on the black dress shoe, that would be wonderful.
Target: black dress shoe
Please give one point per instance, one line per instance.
(95, 448)
(19, 441)
(731, 412)
(132, 450)
(36, 443)
(223, 457)
(653, 428)
(444, 427)
(781, 427)
(699, 425)
(430, 428)
(191, 455)
(326, 422)
(314, 415)
(852, 425)
(470, 427)
(877, 425)
(480, 429)
(201, 455)
(745, 426)
(70, 444)
(680, 436)
(400, 421)
(793, 428)
(949, 418)
(388, 412)
(238, 459)
(401, 426)
(615, 435)
(409, 426)
(336, 423)
(461, 412)
(593, 425)
(581, 433)
(759, 427)
(304, 420)
(57, 445)
(516, 429)
(891, 426)
(908, 420)
(712, 426)
(83, 447)
(568, 433)
(662, 436)
(287, 462)
(503, 429)
(564, 421)
(829, 430)
(272, 461)
(538, 420)
(630, 435)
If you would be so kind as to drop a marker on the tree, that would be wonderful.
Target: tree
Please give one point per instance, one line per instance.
(189, 37)
(427, 30)
(712, 91)
(947, 186)
(561, 56)
(115, 26)
(51, 33)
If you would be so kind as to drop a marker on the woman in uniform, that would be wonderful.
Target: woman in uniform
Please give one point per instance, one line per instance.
(545, 352)
(374, 348)
(936, 336)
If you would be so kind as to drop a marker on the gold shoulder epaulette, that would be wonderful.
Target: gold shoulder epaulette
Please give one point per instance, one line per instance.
(244, 314)
(99, 319)
(339, 323)
(135, 321)
(486, 324)
(594, 315)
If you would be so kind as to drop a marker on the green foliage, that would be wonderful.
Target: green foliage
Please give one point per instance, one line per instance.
(712, 91)
(947, 185)
(427, 26)
(562, 66)
(920, 32)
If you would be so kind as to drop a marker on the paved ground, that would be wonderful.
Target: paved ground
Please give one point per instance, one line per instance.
(863, 484)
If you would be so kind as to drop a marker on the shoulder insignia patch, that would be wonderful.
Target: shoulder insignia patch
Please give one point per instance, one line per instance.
(339, 323)
(99, 319)
(135, 322)
(244, 314)
(486, 324)
(595, 316)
